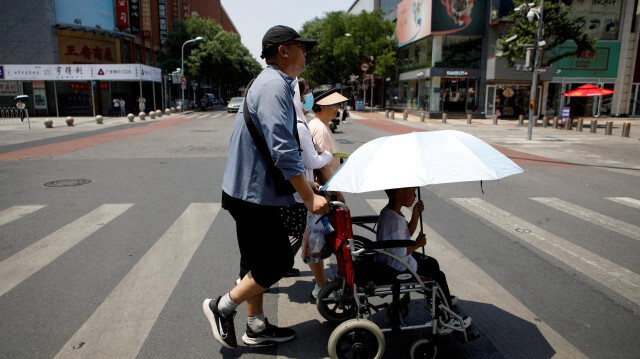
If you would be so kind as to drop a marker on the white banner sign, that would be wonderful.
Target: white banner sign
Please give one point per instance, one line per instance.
(9, 88)
(81, 72)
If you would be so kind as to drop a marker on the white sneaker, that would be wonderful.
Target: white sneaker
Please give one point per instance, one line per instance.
(315, 291)
(453, 322)
(454, 300)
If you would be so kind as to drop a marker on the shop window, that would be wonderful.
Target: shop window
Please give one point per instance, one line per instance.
(461, 52)
(147, 56)
(126, 52)
(137, 54)
(416, 55)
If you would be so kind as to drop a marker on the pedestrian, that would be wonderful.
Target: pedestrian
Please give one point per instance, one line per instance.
(296, 215)
(21, 106)
(327, 100)
(259, 179)
(141, 103)
(123, 109)
(116, 107)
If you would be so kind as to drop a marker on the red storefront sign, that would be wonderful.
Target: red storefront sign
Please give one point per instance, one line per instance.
(84, 86)
(122, 10)
(185, 11)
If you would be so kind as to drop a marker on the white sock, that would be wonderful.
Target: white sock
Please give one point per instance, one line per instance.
(257, 323)
(226, 305)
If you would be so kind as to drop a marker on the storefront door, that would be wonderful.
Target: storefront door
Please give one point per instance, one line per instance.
(459, 94)
(634, 105)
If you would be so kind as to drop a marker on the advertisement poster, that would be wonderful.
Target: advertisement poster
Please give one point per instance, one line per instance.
(9, 88)
(185, 11)
(90, 12)
(122, 13)
(600, 63)
(40, 99)
(420, 18)
(145, 13)
(601, 17)
(134, 16)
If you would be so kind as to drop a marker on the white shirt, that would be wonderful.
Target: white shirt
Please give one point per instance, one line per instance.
(393, 226)
(116, 102)
(310, 157)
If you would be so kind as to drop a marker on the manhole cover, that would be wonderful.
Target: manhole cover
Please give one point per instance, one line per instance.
(68, 182)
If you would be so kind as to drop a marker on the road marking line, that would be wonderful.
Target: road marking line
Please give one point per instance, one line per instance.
(119, 327)
(634, 203)
(617, 278)
(203, 116)
(17, 212)
(216, 116)
(23, 264)
(471, 283)
(624, 228)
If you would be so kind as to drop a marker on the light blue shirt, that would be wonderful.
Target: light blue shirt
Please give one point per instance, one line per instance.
(270, 105)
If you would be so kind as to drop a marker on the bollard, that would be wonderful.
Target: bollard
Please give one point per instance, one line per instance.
(178, 109)
(386, 113)
(469, 117)
(545, 121)
(579, 125)
(393, 115)
(594, 126)
(172, 109)
(131, 117)
(521, 120)
(142, 115)
(422, 117)
(152, 115)
(48, 123)
(167, 112)
(405, 115)
(568, 123)
(555, 122)
(99, 119)
(69, 121)
(625, 129)
(495, 119)
(444, 117)
(608, 128)
(158, 113)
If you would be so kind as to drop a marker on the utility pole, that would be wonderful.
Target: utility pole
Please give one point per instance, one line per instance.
(534, 83)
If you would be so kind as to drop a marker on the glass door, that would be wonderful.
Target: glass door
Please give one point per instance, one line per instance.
(490, 102)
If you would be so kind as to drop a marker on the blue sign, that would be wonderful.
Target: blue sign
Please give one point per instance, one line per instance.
(359, 105)
(1, 72)
(566, 112)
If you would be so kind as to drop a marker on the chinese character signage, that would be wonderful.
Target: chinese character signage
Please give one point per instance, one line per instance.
(175, 15)
(162, 21)
(145, 12)
(82, 72)
(134, 16)
(122, 12)
(185, 10)
(77, 50)
(600, 63)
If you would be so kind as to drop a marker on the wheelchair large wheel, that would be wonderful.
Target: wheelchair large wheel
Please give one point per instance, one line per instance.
(334, 305)
(424, 349)
(356, 339)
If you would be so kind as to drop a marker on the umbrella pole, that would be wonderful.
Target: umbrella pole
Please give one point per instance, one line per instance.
(421, 226)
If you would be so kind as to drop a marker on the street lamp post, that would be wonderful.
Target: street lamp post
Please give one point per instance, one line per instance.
(534, 83)
(182, 67)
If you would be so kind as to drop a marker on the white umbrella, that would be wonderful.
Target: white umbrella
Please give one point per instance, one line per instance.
(419, 159)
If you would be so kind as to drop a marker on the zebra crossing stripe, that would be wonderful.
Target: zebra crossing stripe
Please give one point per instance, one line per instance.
(482, 288)
(17, 212)
(612, 224)
(617, 278)
(203, 116)
(119, 327)
(23, 264)
(626, 201)
(216, 116)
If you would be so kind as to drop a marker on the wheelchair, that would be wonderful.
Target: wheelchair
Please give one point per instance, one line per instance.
(346, 299)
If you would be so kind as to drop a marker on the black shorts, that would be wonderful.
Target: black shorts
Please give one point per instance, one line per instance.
(263, 241)
(295, 222)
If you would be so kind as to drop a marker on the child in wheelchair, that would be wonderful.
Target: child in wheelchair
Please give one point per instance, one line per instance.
(392, 225)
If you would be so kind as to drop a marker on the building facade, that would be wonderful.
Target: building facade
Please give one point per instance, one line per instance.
(92, 32)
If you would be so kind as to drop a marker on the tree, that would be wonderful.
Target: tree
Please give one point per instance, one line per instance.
(220, 56)
(559, 27)
(337, 55)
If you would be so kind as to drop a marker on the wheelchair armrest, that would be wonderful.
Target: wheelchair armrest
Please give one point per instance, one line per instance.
(390, 244)
(364, 219)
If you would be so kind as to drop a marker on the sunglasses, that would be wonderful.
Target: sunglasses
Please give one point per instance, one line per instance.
(296, 44)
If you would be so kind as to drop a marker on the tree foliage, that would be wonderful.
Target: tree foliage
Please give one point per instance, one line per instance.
(559, 27)
(337, 56)
(220, 56)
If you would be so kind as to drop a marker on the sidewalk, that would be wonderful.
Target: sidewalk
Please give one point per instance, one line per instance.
(612, 152)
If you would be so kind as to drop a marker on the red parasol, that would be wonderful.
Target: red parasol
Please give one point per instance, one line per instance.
(588, 90)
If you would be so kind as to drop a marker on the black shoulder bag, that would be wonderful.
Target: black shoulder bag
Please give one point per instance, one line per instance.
(282, 186)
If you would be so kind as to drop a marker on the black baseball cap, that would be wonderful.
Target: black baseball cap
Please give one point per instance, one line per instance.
(280, 34)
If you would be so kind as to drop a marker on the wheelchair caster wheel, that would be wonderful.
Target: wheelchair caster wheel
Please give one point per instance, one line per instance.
(423, 349)
(356, 338)
(334, 305)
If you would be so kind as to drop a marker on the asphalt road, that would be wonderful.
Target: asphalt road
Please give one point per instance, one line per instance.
(546, 262)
